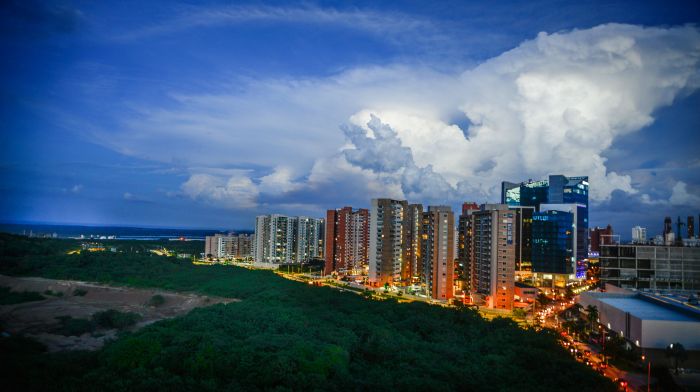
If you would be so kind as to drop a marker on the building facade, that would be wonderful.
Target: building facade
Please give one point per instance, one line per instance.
(465, 246)
(639, 235)
(651, 267)
(346, 240)
(386, 245)
(413, 262)
(493, 261)
(438, 252)
(691, 226)
(570, 194)
(599, 236)
(237, 246)
(287, 239)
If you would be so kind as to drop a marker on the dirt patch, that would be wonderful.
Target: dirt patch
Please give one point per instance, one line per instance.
(83, 299)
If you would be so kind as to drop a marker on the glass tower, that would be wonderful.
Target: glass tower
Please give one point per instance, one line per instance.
(568, 193)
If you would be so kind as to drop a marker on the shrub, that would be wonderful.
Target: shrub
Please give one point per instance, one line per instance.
(115, 319)
(156, 300)
(79, 292)
(54, 293)
(70, 326)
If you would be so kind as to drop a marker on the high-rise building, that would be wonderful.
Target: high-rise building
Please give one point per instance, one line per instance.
(438, 251)
(347, 240)
(309, 239)
(691, 226)
(493, 261)
(639, 235)
(286, 239)
(228, 246)
(412, 262)
(465, 244)
(669, 237)
(566, 193)
(386, 245)
(600, 236)
(522, 225)
(553, 246)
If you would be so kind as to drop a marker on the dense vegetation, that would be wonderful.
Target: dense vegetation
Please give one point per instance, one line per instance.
(285, 335)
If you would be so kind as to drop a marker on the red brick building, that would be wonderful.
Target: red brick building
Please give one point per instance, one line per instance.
(347, 240)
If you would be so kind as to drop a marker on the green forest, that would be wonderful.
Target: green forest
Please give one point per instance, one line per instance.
(282, 336)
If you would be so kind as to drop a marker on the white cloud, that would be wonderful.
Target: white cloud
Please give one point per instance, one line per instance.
(552, 105)
(280, 181)
(236, 192)
(394, 27)
(681, 197)
(76, 188)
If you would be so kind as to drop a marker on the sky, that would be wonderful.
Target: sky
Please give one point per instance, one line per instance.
(206, 114)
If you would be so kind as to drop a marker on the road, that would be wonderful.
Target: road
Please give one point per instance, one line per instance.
(595, 358)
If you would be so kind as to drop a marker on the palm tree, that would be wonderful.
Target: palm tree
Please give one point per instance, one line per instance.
(677, 352)
(592, 316)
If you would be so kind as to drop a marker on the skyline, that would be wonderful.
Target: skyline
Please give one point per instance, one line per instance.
(206, 116)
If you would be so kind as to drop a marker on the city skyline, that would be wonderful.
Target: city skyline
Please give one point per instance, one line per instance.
(209, 115)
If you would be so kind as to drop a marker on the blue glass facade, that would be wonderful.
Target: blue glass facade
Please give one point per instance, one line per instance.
(558, 189)
(552, 242)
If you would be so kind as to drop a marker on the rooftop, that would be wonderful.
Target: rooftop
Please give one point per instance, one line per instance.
(645, 309)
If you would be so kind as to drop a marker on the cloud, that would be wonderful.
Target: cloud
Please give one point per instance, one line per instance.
(554, 104)
(76, 188)
(392, 26)
(681, 197)
(236, 192)
(281, 180)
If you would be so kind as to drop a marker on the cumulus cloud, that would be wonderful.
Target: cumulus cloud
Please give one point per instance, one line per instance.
(681, 197)
(378, 149)
(552, 105)
(555, 104)
(236, 192)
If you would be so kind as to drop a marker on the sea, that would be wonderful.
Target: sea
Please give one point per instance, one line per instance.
(110, 232)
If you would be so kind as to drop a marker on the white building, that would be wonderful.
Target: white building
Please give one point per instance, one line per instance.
(645, 320)
(639, 235)
(287, 239)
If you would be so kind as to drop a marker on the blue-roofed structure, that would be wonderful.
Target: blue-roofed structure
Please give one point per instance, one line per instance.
(645, 320)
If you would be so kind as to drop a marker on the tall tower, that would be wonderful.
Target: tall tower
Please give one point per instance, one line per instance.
(465, 244)
(412, 265)
(493, 259)
(438, 251)
(386, 247)
(346, 240)
(691, 226)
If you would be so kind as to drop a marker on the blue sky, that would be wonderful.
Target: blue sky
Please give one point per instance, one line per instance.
(197, 114)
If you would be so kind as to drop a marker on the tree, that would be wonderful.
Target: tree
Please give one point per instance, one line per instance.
(569, 294)
(677, 353)
(592, 315)
(542, 300)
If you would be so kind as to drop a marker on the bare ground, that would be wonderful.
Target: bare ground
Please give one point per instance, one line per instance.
(38, 319)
